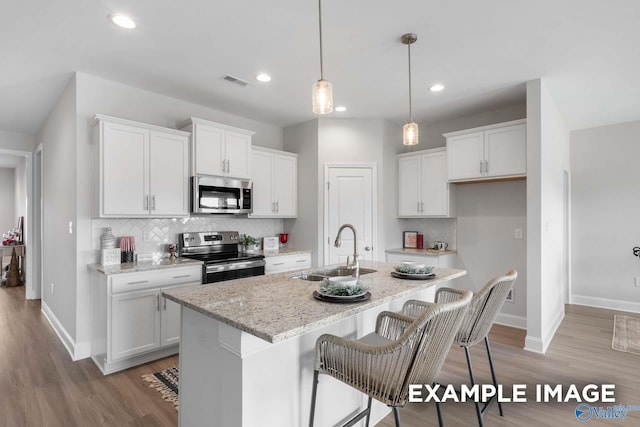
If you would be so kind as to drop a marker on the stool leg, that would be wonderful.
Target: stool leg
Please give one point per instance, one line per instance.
(313, 397)
(396, 415)
(369, 411)
(478, 413)
(493, 373)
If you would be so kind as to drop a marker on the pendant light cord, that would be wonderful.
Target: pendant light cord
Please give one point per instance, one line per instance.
(410, 115)
(320, 27)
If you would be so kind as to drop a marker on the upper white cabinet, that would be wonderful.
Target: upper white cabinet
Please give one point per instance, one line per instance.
(496, 151)
(275, 190)
(423, 190)
(219, 149)
(142, 170)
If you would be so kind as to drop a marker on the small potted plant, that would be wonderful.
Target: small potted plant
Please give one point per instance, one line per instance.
(248, 243)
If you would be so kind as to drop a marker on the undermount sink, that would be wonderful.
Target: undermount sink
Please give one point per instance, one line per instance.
(321, 274)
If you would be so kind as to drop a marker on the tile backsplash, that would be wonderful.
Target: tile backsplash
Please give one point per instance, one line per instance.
(443, 229)
(161, 232)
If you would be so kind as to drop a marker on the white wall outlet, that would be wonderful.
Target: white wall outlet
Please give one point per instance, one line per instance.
(517, 233)
(70, 227)
(52, 289)
(637, 281)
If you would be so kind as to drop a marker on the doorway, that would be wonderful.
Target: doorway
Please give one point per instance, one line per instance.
(350, 198)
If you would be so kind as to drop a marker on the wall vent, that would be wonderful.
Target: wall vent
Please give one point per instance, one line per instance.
(235, 80)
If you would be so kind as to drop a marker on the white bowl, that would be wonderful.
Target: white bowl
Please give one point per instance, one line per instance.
(414, 265)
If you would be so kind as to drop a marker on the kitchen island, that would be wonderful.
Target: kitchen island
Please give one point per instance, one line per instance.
(247, 347)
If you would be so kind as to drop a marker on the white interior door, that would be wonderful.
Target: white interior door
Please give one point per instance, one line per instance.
(350, 199)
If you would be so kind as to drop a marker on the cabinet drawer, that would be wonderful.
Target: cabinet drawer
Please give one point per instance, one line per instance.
(282, 263)
(127, 282)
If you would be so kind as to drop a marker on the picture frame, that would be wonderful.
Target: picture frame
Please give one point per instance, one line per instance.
(410, 239)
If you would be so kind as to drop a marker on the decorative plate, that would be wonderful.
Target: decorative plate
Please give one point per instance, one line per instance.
(342, 298)
(408, 276)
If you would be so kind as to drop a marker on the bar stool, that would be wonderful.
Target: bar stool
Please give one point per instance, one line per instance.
(475, 327)
(401, 351)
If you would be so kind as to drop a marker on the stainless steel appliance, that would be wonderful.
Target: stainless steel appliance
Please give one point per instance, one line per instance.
(220, 195)
(219, 252)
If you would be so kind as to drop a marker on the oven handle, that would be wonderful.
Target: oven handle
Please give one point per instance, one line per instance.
(216, 268)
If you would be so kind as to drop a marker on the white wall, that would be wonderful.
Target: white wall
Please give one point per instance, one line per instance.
(605, 206)
(303, 231)
(488, 214)
(20, 179)
(58, 135)
(547, 160)
(7, 199)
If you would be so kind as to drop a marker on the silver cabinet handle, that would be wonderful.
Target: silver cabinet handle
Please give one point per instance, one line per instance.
(480, 167)
(301, 260)
(418, 207)
(138, 282)
(158, 300)
(146, 202)
(181, 276)
(228, 166)
(277, 206)
(164, 303)
(278, 263)
(486, 166)
(153, 203)
(223, 166)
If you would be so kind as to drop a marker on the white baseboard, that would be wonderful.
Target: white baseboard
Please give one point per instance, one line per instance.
(518, 322)
(76, 351)
(611, 304)
(540, 345)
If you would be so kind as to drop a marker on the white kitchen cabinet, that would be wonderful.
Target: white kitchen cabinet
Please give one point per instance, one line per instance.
(219, 149)
(489, 152)
(275, 183)
(423, 190)
(132, 323)
(290, 262)
(142, 170)
(441, 260)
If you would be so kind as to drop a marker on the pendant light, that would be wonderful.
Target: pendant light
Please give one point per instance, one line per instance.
(410, 129)
(322, 90)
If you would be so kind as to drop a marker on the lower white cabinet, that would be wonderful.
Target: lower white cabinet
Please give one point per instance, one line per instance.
(132, 323)
(444, 260)
(282, 263)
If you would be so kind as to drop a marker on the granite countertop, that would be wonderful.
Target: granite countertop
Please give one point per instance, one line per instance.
(277, 307)
(424, 252)
(132, 267)
(281, 251)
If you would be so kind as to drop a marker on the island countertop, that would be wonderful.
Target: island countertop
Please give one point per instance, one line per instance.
(277, 307)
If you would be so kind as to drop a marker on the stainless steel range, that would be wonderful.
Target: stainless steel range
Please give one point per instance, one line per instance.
(219, 252)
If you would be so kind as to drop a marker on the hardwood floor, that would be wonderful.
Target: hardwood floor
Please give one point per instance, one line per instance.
(41, 386)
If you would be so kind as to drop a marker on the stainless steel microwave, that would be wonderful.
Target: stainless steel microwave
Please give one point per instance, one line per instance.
(220, 195)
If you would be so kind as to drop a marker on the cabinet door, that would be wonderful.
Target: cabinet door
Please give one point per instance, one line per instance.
(261, 173)
(169, 322)
(285, 189)
(506, 151)
(125, 170)
(238, 154)
(135, 323)
(409, 186)
(168, 174)
(435, 190)
(465, 156)
(208, 150)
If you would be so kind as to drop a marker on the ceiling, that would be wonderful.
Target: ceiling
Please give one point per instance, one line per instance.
(483, 51)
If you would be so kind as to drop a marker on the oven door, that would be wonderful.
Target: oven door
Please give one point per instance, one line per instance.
(220, 195)
(236, 270)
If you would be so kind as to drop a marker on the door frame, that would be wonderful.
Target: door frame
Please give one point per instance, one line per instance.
(326, 235)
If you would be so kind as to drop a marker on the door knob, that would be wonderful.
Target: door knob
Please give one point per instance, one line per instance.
(367, 248)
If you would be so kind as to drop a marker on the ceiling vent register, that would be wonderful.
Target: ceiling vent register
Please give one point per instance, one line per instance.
(235, 80)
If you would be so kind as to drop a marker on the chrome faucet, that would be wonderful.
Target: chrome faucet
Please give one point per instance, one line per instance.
(356, 264)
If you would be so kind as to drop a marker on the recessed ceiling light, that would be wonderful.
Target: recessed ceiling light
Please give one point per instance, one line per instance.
(263, 77)
(437, 87)
(340, 108)
(123, 21)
